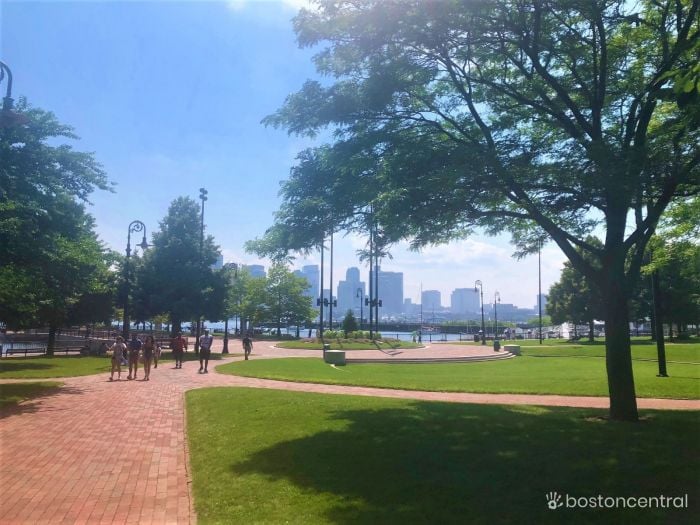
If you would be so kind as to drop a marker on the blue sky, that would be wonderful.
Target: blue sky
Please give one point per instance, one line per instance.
(170, 95)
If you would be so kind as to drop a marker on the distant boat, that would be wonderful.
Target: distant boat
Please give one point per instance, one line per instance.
(429, 329)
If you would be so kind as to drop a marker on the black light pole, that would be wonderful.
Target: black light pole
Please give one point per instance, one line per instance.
(234, 267)
(330, 308)
(7, 102)
(496, 300)
(319, 301)
(134, 226)
(539, 286)
(203, 197)
(483, 325)
(361, 294)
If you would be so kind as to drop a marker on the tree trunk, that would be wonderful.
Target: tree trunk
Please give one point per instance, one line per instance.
(52, 340)
(591, 328)
(618, 353)
(176, 325)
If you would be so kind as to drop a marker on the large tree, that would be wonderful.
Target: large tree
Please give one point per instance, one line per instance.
(53, 269)
(540, 118)
(176, 275)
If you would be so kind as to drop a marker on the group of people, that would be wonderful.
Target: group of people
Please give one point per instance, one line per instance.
(149, 351)
(131, 352)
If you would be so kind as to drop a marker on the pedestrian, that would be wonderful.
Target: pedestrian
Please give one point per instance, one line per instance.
(179, 345)
(205, 342)
(247, 345)
(150, 348)
(135, 345)
(118, 349)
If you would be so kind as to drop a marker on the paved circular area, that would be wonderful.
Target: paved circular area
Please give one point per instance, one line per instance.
(115, 452)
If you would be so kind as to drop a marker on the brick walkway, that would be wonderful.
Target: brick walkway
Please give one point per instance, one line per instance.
(116, 452)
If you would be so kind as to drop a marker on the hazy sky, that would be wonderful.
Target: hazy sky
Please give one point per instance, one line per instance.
(170, 95)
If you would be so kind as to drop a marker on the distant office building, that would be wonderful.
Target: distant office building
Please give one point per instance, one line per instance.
(464, 301)
(348, 296)
(431, 300)
(312, 275)
(219, 264)
(541, 298)
(255, 270)
(390, 292)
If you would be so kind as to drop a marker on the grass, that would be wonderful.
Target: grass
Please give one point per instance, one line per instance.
(13, 393)
(538, 371)
(45, 367)
(262, 456)
(349, 344)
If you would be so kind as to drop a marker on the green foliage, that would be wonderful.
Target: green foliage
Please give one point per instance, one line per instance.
(349, 323)
(53, 269)
(277, 298)
(551, 120)
(176, 276)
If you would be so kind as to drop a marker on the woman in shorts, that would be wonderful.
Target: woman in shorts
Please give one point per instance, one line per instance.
(149, 351)
(118, 349)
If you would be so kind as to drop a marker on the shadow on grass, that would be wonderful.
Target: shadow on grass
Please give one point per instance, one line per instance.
(440, 463)
(12, 365)
(30, 395)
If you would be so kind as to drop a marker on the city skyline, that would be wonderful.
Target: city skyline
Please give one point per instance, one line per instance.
(162, 130)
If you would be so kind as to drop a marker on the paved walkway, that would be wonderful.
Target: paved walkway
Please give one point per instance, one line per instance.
(101, 452)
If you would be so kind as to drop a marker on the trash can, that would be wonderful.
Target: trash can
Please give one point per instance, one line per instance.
(496, 345)
(326, 347)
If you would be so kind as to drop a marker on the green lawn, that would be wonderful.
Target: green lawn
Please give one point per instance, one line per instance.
(349, 344)
(552, 370)
(13, 393)
(44, 367)
(262, 456)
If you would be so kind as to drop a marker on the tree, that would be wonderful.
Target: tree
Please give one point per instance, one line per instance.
(349, 323)
(176, 278)
(53, 269)
(572, 299)
(537, 118)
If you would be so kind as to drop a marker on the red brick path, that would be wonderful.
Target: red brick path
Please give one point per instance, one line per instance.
(101, 452)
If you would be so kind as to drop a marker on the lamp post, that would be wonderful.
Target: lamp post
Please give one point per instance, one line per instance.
(496, 300)
(134, 226)
(483, 325)
(203, 197)
(7, 116)
(234, 267)
(539, 285)
(360, 293)
(330, 309)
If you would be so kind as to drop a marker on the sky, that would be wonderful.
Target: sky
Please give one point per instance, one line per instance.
(170, 96)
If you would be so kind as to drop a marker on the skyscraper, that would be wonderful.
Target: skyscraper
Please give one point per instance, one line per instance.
(311, 272)
(464, 301)
(347, 293)
(255, 270)
(431, 300)
(390, 292)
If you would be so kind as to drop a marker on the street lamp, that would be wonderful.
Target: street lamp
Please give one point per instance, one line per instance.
(134, 226)
(496, 300)
(360, 293)
(483, 325)
(203, 196)
(234, 267)
(7, 116)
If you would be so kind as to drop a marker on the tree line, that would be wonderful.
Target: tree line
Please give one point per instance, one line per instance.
(55, 271)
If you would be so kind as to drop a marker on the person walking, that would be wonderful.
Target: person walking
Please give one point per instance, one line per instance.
(135, 345)
(118, 349)
(247, 345)
(150, 348)
(205, 342)
(179, 345)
